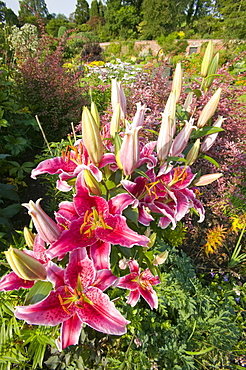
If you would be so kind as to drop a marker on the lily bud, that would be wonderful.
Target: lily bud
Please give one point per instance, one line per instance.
(207, 59)
(211, 71)
(138, 119)
(95, 114)
(91, 137)
(25, 266)
(188, 101)
(45, 226)
(193, 153)
(160, 259)
(166, 133)
(117, 146)
(115, 121)
(118, 96)
(152, 239)
(210, 139)
(29, 237)
(209, 109)
(207, 179)
(91, 183)
(177, 81)
(181, 139)
(129, 151)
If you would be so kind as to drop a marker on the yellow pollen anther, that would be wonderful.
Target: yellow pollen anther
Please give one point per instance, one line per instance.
(63, 305)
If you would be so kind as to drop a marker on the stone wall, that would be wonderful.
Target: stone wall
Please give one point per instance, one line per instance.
(151, 45)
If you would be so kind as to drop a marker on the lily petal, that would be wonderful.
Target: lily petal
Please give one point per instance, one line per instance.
(79, 266)
(133, 297)
(101, 313)
(99, 253)
(150, 296)
(53, 166)
(13, 282)
(70, 332)
(49, 311)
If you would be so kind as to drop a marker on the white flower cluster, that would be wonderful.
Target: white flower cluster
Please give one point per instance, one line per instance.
(120, 70)
(24, 38)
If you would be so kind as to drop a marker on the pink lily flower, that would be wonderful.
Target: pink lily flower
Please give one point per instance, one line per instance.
(147, 155)
(94, 219)
(70, 164)
(139, 284)
(165, 194)
(76, 302)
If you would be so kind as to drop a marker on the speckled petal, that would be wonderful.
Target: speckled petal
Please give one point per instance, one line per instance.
(53, 166)
(71, 239)
(49, 311)
(79, 265)
(127, 281)
(70, 332)
(99, 253)
(83, 201)
(104, 279)
(150, 296)
(55, 274)
(13, 282)
(133, 297)
(102, 315)
(120, 233)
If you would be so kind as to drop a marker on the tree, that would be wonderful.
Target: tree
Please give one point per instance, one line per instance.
(159, 17)
(33, 7)
(54, 24)
(11, 18)
(196, 9)
(101, 9)
(233, 15)
(94, 10)
(82, 12)
(2, 14)
(121, 20)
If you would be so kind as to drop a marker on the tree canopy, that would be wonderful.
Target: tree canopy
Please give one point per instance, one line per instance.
(140, 19)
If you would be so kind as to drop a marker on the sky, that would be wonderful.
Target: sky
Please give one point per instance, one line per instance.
(54, 6)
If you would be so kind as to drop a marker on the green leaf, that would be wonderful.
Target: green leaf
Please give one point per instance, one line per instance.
(10, 211)
(153, 132)
(176, 159)
(4, 123)
(38, 292)
(8, 192)
(200, 352)
(211, 160)
(142, 173)
(205, 131)
(131, 214)
(197, 92)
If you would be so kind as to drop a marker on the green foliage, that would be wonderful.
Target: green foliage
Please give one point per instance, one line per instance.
(172, 44)
(193, 326)
(54, 25)
(9, 206)
(175, 237)
(159, 18)
(20, 345)
(82, 13)
(113, 49)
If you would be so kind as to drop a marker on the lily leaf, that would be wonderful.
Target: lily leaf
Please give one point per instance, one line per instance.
(206, 131)
(211, 160)
(38, 292)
